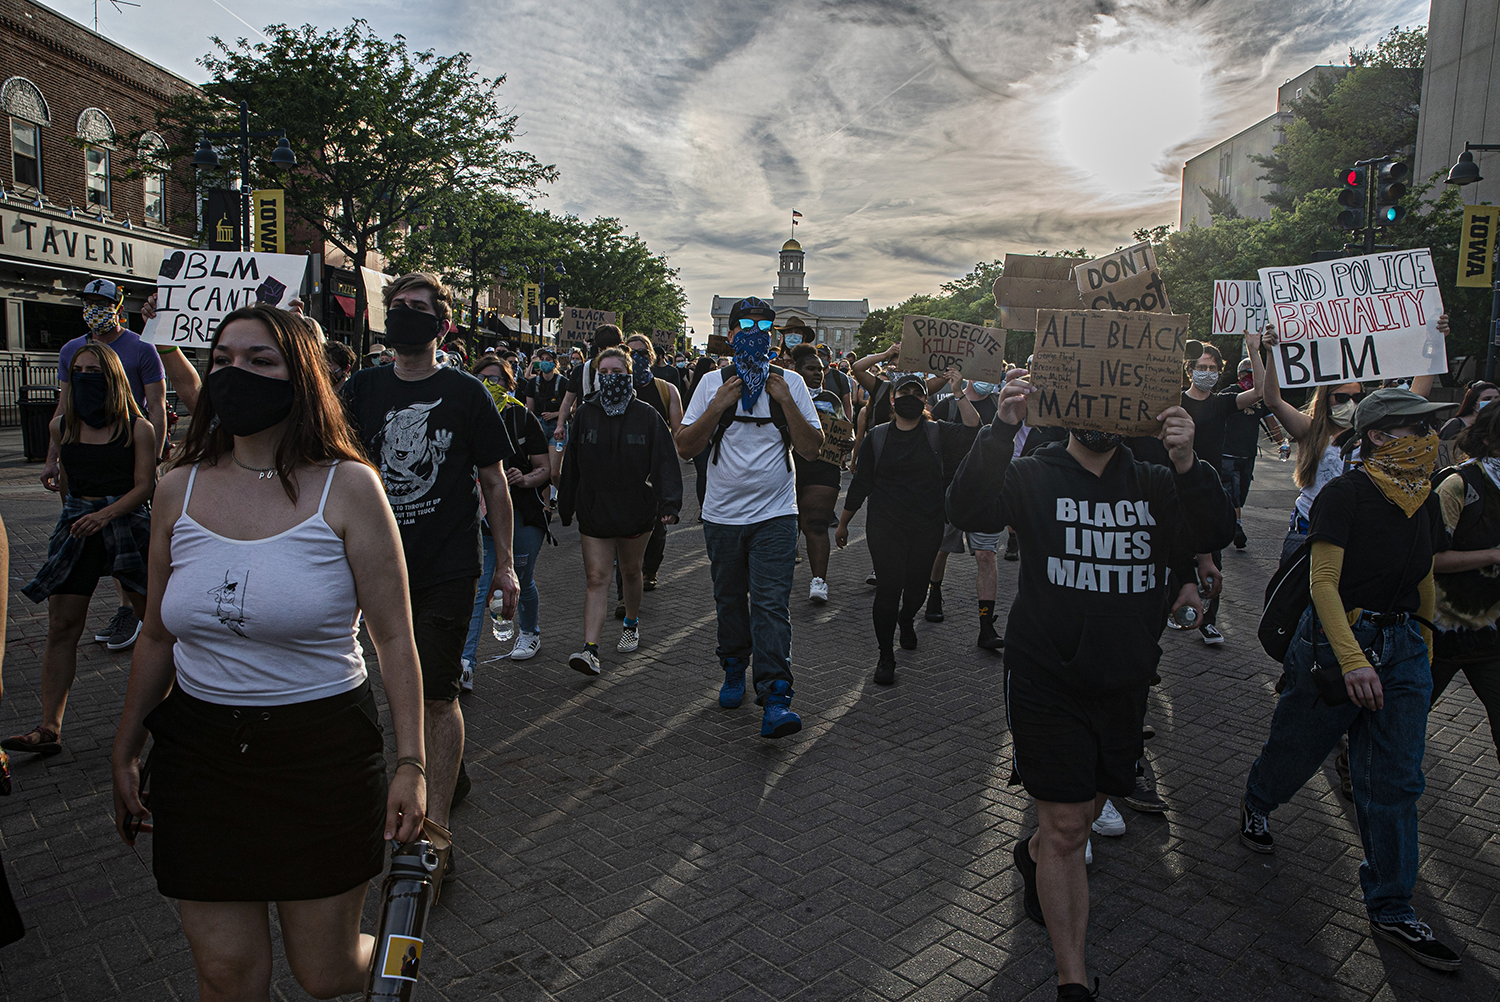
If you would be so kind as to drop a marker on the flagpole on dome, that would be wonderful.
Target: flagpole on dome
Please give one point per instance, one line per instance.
(795, 216)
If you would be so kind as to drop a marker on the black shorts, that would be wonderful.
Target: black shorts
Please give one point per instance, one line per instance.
(817, 473)
(1069, 747)
(266, 803)
(440, 615)
(93, 563)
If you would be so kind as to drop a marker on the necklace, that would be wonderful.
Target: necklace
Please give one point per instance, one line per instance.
(260, 474)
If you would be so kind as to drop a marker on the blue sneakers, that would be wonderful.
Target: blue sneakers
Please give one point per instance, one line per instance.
(779, 720)
(732, 692)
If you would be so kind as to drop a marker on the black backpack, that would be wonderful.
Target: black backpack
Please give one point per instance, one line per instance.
(880, 432)
(732, 415)
(1288, 594)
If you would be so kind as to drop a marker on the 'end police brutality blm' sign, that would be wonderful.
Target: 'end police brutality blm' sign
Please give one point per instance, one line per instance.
(1356, 319)
(195, 290)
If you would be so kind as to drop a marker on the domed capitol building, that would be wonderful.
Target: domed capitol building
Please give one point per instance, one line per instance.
(836, 320)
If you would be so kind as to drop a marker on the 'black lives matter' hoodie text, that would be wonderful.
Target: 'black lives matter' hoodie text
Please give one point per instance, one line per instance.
(1092, 597)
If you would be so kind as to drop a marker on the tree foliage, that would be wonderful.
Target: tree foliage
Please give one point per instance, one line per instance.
(1370, 111)
(381, 132)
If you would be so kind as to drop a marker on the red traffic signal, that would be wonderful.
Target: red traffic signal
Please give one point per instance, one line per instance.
(1353, 178)
(1354, 198)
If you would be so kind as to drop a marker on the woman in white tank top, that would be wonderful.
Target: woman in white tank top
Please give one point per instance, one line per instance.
(268, 775)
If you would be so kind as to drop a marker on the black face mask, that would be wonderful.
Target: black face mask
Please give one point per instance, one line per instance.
(88, 398)
(1098, 441)
(909, 406)
(245, 402)
(409, 328)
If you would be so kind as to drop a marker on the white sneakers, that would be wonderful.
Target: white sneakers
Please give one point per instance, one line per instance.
(630, 639)
(817, 594)
(466, 677)
(1109, 821)
(527, 644)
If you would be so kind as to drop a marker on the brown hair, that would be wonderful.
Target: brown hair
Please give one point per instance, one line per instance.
(1471, 398)
(1310, 450)
(619, 353)
(442, 296)
(605, 336)
(339, 354)
(317, 429)
(119, 406)
(650, 348)
(1482, 438)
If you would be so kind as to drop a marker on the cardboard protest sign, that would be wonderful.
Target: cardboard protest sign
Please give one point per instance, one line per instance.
(1476, 246)
(1106, 370)
(665, 342)
(1238, 307)
(578, 322)
(932, 345)
(1356, 318)
(1125, 280)
(1029, 282)
(838, 437)
(195, 289)
(718, 344)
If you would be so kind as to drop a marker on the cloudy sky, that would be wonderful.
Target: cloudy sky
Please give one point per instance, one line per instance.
(915, 136)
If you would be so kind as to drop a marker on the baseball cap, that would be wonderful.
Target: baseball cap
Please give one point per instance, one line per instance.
(750, 307)
(102, 287)
(1393, 408)
(907, 379)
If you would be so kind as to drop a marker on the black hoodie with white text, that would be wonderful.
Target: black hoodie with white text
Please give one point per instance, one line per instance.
(1092, 598)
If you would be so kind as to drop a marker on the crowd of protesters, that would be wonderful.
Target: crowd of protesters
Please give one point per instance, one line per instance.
(312, 498)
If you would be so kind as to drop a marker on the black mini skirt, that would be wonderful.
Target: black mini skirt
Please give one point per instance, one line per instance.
(266, 803)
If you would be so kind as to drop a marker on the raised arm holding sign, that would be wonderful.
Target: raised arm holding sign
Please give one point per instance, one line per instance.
(1356, 319)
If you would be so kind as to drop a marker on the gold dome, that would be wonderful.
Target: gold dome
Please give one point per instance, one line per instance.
(791, 245)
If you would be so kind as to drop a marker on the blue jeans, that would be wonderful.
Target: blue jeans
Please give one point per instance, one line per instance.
(752, 568)
(526, 543)
(1385, 753)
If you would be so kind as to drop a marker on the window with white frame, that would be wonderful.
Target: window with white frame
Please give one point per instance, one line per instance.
(155, 182)
(96, 175)
(26, 154)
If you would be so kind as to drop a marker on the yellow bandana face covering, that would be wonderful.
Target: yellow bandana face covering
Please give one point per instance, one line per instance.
(1402, 469)
(503, 399)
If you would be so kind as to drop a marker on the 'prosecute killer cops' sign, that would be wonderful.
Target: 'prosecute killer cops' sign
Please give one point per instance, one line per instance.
(1106, 370)
(1356, 319)
(932, 345)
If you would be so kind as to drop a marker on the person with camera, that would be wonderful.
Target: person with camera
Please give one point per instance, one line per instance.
(267, 774)
(1081, 637)
(1359, 665)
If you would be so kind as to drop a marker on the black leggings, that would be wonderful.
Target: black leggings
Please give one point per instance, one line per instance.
(902, 553)
(1484, 679)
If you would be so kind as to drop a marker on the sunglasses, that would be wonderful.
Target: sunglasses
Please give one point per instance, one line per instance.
(746, 323)
(1344, 398)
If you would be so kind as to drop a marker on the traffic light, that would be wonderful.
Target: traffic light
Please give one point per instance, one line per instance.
(552, 299)
(1389, 192)
(1354, 198)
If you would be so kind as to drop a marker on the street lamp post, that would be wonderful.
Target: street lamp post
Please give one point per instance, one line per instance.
(281, 157)
(1466, 171)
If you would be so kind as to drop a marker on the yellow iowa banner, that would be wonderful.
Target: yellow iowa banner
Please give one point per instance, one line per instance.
(268, 216)
(1476, 246)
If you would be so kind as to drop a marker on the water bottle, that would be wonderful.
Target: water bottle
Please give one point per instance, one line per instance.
(558, 444)
(406, 897)
(502, 626)
(1187, 617)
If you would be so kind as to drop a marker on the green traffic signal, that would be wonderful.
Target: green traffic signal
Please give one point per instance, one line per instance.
(1389, 191)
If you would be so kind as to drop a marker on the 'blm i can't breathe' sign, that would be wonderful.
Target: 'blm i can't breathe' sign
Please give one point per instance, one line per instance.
(1356, 319)
(196, 289)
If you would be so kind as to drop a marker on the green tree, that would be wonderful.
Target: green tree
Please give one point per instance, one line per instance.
(1370, 111)
(381, 132)
(608, 270)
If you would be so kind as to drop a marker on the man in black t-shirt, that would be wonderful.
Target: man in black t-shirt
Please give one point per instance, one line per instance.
(430, 430)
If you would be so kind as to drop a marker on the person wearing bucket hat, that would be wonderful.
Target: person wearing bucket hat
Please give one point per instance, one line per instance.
(1372, 536)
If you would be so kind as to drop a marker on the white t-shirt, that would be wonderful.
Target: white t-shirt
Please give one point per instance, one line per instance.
(1330, 466)
(750, 482)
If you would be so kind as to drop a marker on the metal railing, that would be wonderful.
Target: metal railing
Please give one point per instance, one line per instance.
(16, 371)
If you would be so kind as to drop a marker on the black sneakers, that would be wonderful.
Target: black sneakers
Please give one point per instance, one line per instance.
(1012, 548)
(1027, 866)
(1240, 539)
(908, 635)
(934, 603)
(1255, 829)
(1144, 797)
(885, 670)
(1416, 939)
(1077, 993)
(988, 639)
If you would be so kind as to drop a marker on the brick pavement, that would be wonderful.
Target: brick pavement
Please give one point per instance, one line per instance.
(627, 839)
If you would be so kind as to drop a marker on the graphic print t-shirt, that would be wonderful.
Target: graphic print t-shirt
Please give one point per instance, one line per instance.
(427, 438)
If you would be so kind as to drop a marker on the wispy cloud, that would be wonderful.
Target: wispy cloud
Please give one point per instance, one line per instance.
(916, 136)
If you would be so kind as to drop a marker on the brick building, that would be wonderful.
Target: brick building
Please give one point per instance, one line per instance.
(69, 208)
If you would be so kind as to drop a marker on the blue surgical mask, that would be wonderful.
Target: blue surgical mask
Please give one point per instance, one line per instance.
(985, 389)
(1485, 403)
(546, 366)
(792, 340)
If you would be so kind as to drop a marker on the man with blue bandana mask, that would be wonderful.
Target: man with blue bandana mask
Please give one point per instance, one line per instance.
(750, 417)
